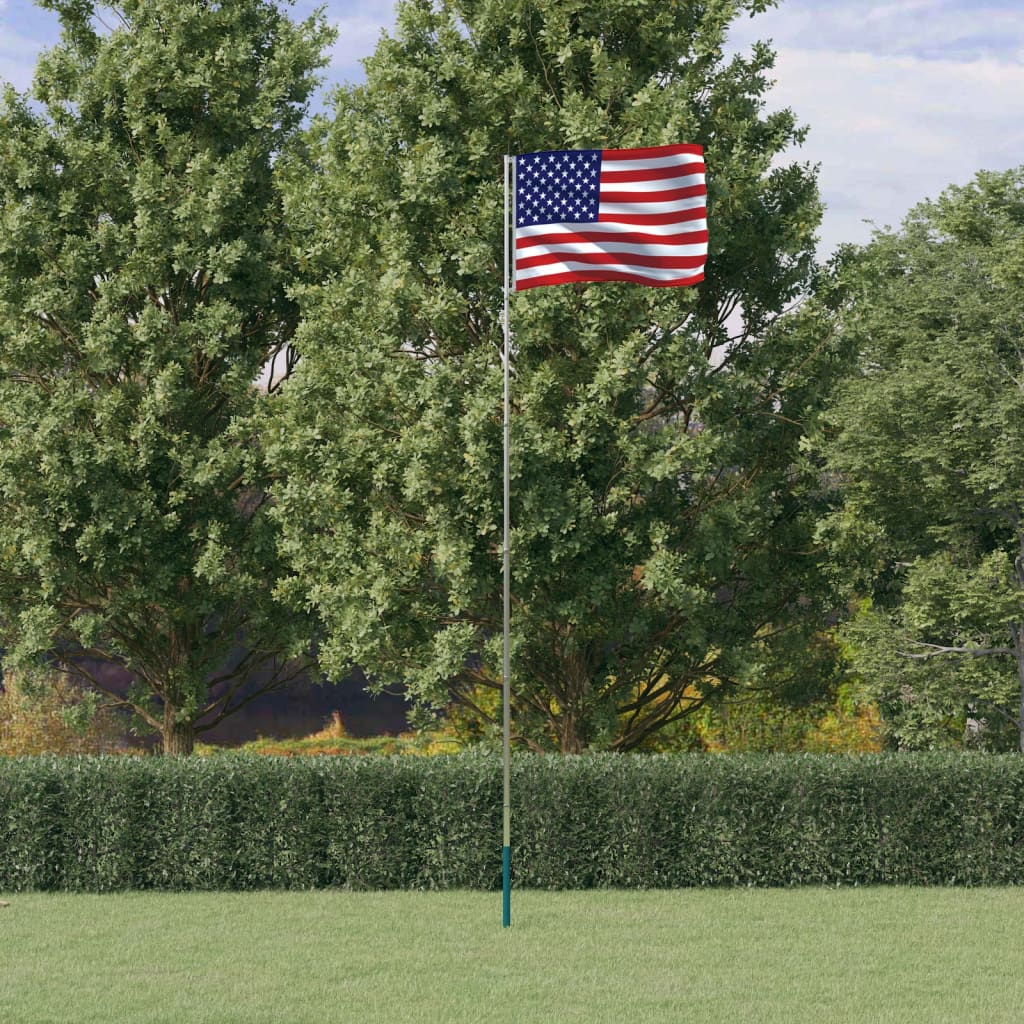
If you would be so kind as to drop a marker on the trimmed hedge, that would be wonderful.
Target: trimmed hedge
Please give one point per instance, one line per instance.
(233, 822)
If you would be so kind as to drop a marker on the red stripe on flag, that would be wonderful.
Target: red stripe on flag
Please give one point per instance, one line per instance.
(651, 152)
(606, 275)
(640, 219)
(663, 195)
(632, 259)
(611, 238)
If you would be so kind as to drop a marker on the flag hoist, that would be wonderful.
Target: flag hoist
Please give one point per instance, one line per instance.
(636, 215)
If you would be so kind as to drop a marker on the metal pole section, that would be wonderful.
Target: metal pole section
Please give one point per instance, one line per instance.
(506, 807)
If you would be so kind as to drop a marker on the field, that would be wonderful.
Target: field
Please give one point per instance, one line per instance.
(737, 956)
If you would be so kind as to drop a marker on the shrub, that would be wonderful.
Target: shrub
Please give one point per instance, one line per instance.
(240, 822)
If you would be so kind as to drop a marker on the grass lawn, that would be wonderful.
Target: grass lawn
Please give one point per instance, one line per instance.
(737, 956)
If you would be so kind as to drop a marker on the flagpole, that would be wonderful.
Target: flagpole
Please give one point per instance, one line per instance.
(506, 807)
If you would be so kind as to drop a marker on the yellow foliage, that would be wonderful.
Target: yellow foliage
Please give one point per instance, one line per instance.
(444, 740)
(46, 724)
(756, 723)
(858, 731)
(333, 730)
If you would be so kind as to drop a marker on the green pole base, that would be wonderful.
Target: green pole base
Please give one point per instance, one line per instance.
(506, 886)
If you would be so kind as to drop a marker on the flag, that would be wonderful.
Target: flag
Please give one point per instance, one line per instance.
(611, 215)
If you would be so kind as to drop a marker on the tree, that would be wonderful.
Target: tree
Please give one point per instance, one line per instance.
(142, 288)
(927, 439)
(661, 549)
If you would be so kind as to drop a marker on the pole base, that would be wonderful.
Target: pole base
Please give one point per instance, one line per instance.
(506, 886)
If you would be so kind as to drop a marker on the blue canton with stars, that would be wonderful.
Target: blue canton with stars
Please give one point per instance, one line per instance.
(561, 185)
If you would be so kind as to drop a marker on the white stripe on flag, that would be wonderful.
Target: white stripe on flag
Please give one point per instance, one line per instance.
(567, 248)
(657, 185)
(609, 229)
(650, 206)
(570, 266)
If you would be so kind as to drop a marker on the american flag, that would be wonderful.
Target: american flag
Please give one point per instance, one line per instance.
(611, 215)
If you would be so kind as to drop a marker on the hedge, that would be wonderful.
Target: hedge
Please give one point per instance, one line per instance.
(232, 822)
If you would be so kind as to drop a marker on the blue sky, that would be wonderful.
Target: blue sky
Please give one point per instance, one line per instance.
(902, 97)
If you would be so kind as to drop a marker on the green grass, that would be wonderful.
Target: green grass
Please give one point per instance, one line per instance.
(736, 956)
(309, 745)
(326, 743)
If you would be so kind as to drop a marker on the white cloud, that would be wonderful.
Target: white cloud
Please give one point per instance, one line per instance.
(17, 58)
(357, 39)
(902, 97)
(359, 24)
(889, 132)
(25, 31)
(959, 29)
(881, 12)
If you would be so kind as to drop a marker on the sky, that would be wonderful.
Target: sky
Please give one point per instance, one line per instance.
(902, 98)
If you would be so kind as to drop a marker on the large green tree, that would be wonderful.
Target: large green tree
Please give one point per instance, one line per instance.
(927, 440)
(142, 288)
(661, 551)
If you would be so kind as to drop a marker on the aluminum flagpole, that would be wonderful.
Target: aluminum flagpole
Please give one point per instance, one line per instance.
(506, 805)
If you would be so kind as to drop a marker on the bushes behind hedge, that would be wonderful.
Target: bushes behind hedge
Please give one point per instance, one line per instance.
(230, 822)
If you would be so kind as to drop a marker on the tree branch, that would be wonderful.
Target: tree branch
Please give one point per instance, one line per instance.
(938, 650)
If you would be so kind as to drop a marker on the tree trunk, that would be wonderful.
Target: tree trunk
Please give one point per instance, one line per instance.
(1018, 636)
(1018, 649)
(179, 737)
(974, 729)
(570, 740)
